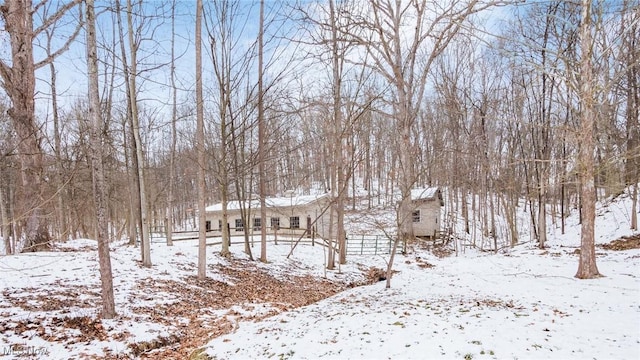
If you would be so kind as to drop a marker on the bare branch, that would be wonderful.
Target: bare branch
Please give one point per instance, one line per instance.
(49, 59)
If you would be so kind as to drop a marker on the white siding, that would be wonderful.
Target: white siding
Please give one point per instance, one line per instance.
(313, 210)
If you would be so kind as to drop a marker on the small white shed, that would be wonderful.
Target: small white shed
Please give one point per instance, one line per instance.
(426, 203)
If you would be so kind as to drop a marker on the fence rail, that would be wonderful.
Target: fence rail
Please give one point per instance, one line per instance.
(356, 244)
(369, 245)
(214, 238)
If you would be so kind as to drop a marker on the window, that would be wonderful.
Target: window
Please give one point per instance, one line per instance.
(294, 222)
(275, 223)
(416, 216)
(207, 225)
(257, 224)
(239, 225)
(220, 225)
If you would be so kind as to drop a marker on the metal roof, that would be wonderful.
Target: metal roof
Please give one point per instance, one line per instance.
(274, 202)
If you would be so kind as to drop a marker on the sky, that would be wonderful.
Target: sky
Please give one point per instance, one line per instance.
(154, 52)
(155, 49)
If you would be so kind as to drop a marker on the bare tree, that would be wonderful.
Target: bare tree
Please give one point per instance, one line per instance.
(262, 141)
(132, 91)
(202, 236)
(630, 26)
(338, 183)
(331, 35)
(18, 80)
(57, 143)
(405, 39)
(587, 268)
(7, 167)
(99, 183)
(174, 136)
(230, 62)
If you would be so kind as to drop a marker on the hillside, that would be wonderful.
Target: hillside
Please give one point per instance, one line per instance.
(521, 303)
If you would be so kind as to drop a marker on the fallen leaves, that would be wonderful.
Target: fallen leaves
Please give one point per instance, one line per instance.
(142, 347)
(186, 312)
(624, 243)
(200, 301)
(89, 328)
(60, 298)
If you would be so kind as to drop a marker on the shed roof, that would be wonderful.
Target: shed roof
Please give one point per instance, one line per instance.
(430, 193)
(427, 194)
(274, 202)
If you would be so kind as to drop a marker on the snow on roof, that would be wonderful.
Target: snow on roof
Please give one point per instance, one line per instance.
(424, 193)
(274, 202)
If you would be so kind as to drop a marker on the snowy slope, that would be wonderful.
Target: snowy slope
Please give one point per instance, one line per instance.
(522, 303)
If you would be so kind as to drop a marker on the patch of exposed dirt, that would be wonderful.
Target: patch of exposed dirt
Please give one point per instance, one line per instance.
(624, 243)
(439, 248)
(424, 264)
(200, 301)
(375, 274)
(194, 310)
(442, 251)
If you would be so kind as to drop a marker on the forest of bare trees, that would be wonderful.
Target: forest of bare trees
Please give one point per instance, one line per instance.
(508, 106)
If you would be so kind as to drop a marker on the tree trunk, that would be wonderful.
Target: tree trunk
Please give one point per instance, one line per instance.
(63, 232)
(174, 132)
(339, 188)
(19, 84)
(131, 150)
(542, 215)
(407, 180)
(587, 268)
(5, 225)
(135, 122)
(261, 141)
(99, 183)
(202, 235)
(634, 207)
(632, 161)
(331, 253)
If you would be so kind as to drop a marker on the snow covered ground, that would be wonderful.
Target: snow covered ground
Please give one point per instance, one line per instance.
(520, 304)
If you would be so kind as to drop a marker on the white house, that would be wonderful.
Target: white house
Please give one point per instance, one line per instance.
(289, 215)
(426, 203)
